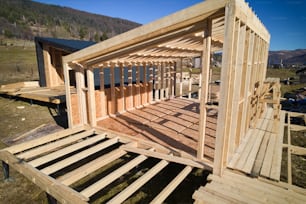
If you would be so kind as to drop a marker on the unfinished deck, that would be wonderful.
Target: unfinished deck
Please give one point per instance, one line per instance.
(236, 188)
(173, 123)
(63, 165)
(31, 90)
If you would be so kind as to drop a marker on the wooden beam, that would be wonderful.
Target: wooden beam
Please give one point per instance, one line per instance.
(54, 145)
(88, 168)
(97, 186)
(169, 158)
(59, 191)
(130, 87)
(77, 157)
(80, 88)
(102, 93)
(112, 87)
(68, 94)
(155, 29)
(157, 82)
(161, 197)
(66, 150)
(123, 195)
(91, 98)
(221, 147)
(43, 140)
(204, 87)
(122, 108)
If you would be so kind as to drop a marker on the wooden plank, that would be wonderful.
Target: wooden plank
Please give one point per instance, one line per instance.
(256, 186)
(59, 191)
(277, 156)
(43, 140)
(91, 99)
(297, 128)
(80, 88)
(233, 194)
(130, 88)
(204, 197)
(54, 155)
(161, 197)
(296, 150)
(266, 166)
(90, 167)
(289, 165)
(122, 108)
(79, 156)
(97, 186)
(112, 89)
(221, 146)
(157, 82)
(169, 158)
(54, 145)
(102, 92)
(248, 166)
(204, 87)
(123, 195)
(248, 148)
(240, 149)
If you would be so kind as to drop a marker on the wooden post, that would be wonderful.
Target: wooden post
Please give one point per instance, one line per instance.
(174, 80)
(204, 84)
(181, 79)
(144, 85)
(130, 88)
(138, 99)
(68, 94)
(112, 89)
(246, 96)
(237, 66)
(91, 97)
(221, 147)
(167, 73)
(122, 104)
(102, 92)
(162, 81)
(80, 87)
(150, 93)
(190, 83)
(157, 82)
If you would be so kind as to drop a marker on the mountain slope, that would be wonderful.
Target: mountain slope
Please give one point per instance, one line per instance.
(25, 19)
(288, 56)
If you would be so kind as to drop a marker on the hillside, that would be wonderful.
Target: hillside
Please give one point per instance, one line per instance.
(288, 57)
(24, 19)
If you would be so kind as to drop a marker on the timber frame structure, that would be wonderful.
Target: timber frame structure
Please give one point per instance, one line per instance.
(134, 107)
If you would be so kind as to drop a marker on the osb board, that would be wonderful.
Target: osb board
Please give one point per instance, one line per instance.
(166, 127)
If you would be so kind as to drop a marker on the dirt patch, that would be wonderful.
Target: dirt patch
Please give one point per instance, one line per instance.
(17, 118)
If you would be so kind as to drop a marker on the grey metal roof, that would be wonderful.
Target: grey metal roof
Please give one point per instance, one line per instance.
(65, 44)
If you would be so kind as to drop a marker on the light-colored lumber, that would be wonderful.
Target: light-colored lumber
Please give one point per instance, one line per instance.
(289, 165)
(90, 167)
(54, 145)
(204, 197)
(81, 95)
(169, 158)
(66, 69)
(91, 99)
(266, 166)
(161, 197)
(123, 195)
(59, 191)
(112, 90)
(66, 150)
(43, 140)
(277, 156)
(221, 146)
(204, 87)
(79, 156)
(97, 186)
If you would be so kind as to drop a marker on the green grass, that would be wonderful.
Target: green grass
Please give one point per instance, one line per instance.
(13, 55)
(17, 64)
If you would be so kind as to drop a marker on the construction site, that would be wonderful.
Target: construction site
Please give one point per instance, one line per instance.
(127, 99)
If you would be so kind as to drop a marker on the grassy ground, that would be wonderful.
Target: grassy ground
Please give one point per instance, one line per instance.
(17, 64)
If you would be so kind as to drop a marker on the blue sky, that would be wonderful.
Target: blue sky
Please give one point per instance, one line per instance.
(285, 19)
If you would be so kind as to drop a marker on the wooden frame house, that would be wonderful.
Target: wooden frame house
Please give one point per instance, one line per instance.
(136, 107)
(49, 53)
